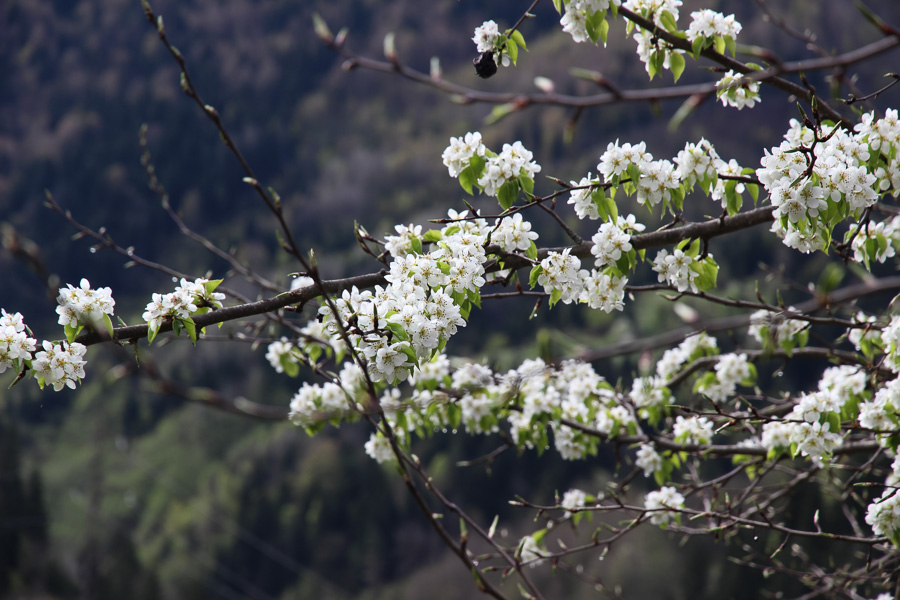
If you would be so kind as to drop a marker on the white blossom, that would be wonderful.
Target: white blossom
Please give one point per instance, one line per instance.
(664, 498)
(379, 448)
(486, 36)
(457, 155)
(648, 459)
(737, 90)
(709, 24)
(572, 500)
(280, 350)
(60, 365)
(82, 305)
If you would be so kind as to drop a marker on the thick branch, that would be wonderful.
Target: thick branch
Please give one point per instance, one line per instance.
(133, 333)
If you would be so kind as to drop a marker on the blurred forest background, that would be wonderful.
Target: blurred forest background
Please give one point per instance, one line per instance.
(121, 490)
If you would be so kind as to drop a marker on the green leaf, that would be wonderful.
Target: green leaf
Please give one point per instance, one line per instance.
(432, 235)
(109, 326)
(668, 21)
(611, 208)
(754, 192)
(555, 296)
(598, 199)
(532, 252)
(536, 270)
(151, 334)
(410, 354)
(508, 193)
(512, 50)
(604, 29)
(830, 278)
(697, 47)
(706, 380)
(731, 45)
(499, 112)
(707, 273)
(526, 183)
(676, 64)
(519, 39)
(191, 329)
(291, 368)
(654, 64)
(71, 331)
(678, 197)
(398, 331)
(720, 45)
(467, 179)
(474, 297)
(691, 247)
(212, 285)
(834, 422)
(634, 173)
(597, 27)
(733, 200)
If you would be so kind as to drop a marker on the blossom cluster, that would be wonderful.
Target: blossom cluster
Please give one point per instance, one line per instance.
(731, 370)
(774, 330)
(572, 500)
(280, 353)
(654, 180)
(649, 395)
(60, 365)
(190, 297)
(460, 152)
(584, 19)
(581, 198)
(314, 403)
(530, 551)
(692, 348)
(513, 233)
(407, 240)
(883, 515)
(397, 326)
(654, 9)
(692, 430)
(874, 241)
(817, 179)
(16, 345)
(501, 175)
(653, 51)
(612, 239)
(665, 504)
(562, 277)
(675, 269)
(709, 24)
(737, 90)
(813, 427)
(486, 36)
(514, 161)
(57, 364)
(82, 306)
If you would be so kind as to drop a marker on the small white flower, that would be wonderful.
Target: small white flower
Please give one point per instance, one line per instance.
(379, 448)
(486, 36)
(737, 90)
(572, 500)
(664, 498)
